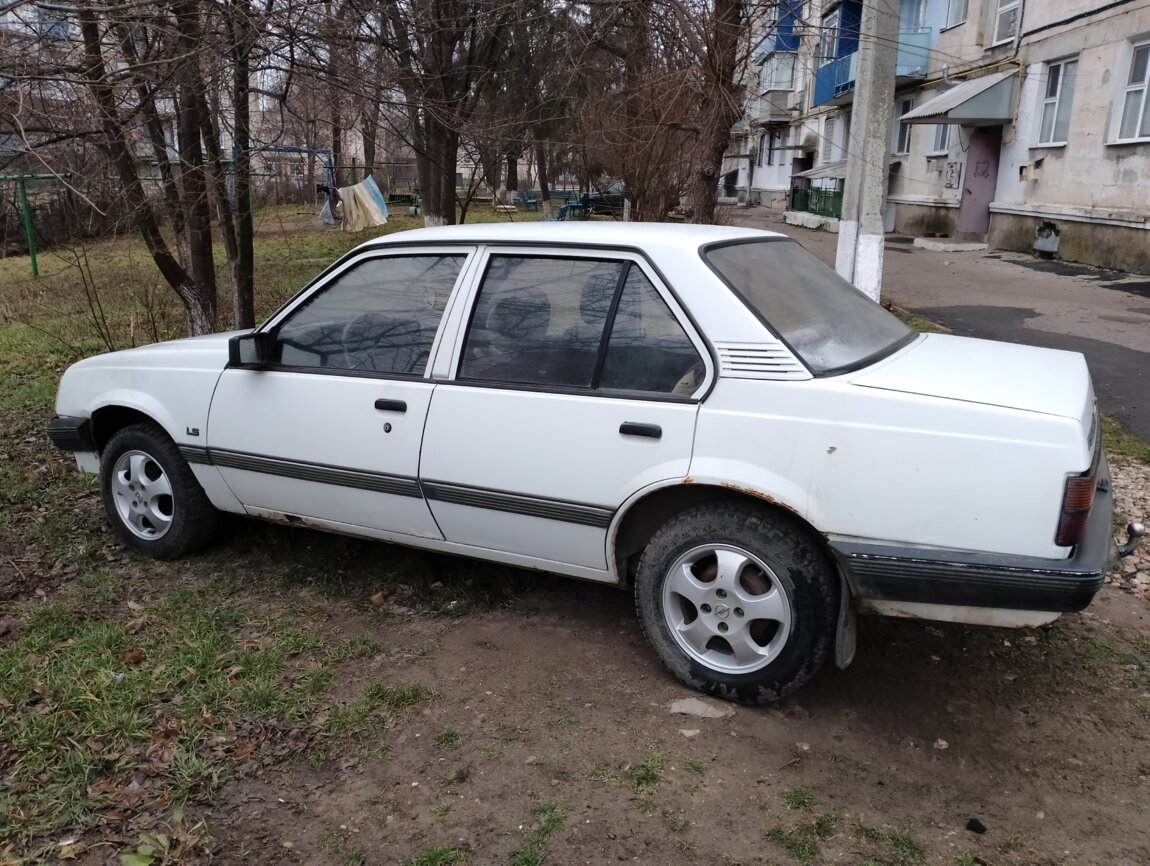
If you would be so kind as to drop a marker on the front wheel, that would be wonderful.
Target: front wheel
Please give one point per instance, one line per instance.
(738, 601)
(152, 499)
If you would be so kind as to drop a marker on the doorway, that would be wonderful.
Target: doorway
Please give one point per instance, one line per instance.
(979, 183)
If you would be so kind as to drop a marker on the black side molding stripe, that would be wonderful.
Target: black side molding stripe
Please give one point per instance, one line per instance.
(71, 434)
(518, 503)
(397, 485)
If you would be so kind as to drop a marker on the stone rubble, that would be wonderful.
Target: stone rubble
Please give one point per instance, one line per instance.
(1132, 503)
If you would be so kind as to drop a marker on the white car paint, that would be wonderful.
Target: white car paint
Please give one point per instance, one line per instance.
(950, 444)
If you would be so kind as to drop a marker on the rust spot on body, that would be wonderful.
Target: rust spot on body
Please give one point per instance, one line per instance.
(758, 494)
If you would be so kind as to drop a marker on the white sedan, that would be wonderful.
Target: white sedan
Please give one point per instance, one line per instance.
(707, 415)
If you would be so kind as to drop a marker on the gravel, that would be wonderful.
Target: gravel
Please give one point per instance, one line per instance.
(1132, 503)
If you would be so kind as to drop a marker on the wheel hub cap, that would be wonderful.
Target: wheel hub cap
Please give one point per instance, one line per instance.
(142, 493)
(726, 609)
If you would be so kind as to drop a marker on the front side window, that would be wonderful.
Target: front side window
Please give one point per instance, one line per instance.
(1006, 21)
(1135, 111)
(575, 323)
(378, 317)
(827, 322)
(1056, 102)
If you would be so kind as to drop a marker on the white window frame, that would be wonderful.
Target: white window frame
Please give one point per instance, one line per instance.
(762, 146)
(1134, 87)
(1054, 103)
(772, 146)
(1006, 6)
(830, 127)
(940, 148)
(956, 11)
(901, 144)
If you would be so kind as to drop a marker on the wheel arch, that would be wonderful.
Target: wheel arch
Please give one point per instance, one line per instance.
(643, 516)
(110, 418)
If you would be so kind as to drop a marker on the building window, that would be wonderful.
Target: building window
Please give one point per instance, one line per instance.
(829, 140)
(828, 35)
(1055, 125)
(902, 139)
(762, 150)
(912, 15)
(1135, 112)
(955, 12)
(778, 72)
(941, 139)
(772, 146)
(1006, 21)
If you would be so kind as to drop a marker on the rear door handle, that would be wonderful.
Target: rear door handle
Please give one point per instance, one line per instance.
(390, 405)
(632, 428)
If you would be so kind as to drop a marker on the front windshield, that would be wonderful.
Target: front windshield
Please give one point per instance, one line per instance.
(826, 321)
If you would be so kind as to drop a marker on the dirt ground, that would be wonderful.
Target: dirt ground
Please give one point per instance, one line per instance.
(1042, 737)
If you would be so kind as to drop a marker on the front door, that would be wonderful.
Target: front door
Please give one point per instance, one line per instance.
(332, 430)
(979, 183)
(573, 385)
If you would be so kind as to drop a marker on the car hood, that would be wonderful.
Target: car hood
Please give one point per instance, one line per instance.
(208, 351)
(1049, 381)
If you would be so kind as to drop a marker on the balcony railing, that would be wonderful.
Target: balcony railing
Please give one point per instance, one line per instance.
(837, 78)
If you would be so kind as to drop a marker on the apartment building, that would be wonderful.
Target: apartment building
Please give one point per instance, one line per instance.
(1019, 122)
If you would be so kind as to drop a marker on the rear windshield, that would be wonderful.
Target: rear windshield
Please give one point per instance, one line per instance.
(827, 322)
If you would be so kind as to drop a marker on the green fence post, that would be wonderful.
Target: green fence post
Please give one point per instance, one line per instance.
(27, 213)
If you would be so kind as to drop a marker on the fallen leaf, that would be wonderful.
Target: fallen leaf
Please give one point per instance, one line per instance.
(132, 657)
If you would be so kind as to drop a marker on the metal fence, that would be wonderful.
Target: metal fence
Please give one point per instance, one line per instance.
(822, 202)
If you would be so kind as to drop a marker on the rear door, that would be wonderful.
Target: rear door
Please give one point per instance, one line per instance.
(332, 429)
(574, 384)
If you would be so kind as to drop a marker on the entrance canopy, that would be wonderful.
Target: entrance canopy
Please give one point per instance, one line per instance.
(986, 101)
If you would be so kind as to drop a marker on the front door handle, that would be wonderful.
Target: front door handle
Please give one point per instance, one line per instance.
(390, 405)
(631, 428)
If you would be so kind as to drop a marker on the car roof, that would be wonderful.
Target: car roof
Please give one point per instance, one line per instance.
(642, 235)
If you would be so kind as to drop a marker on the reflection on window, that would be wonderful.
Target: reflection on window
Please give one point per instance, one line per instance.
(539, 321)
(1059, 94)
(648, 350)
(542, 321)
(379, 317)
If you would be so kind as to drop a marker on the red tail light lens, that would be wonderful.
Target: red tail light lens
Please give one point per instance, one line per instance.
(1076, 504)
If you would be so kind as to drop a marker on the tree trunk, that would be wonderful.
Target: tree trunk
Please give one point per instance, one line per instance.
(544, 186)
(200, 309)
(437, 172)
(723, 39)
(243, 268)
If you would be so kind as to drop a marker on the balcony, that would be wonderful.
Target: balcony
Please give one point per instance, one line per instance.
(771, 107)
(835, 81)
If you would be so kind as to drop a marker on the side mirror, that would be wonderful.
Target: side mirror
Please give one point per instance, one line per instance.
(250, 351)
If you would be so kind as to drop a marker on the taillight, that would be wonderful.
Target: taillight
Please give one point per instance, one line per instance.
(1076, 503)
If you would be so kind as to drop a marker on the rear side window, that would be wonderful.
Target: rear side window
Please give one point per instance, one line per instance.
(827, 322)
(379, 317)
(576, 323)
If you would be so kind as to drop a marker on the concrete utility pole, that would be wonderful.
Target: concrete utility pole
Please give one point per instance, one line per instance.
(860, 249)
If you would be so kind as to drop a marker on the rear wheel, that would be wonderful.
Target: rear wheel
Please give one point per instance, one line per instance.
(152, 499)
(738, 601)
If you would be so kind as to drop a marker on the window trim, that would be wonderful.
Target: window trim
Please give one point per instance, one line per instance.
(1126, 88)
(469, 297)
(1045, 101)
(997, 17)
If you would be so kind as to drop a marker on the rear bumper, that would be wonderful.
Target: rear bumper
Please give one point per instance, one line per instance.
(950, 577)
(69, 433)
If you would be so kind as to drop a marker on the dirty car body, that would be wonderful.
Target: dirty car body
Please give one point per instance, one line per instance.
(707, 415)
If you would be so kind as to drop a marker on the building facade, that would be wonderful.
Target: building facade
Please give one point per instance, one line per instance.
(1022, 123)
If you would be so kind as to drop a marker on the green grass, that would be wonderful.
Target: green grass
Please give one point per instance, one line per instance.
(448, 739)
(1123, 447)
(549, 820)
(901, 846)
(800, 799)
(437, 857)
(649, 772)
(917, 322)
(803, 842)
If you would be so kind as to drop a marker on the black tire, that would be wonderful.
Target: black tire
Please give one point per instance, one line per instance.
(777, 653)
(139, 464)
